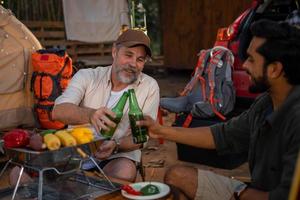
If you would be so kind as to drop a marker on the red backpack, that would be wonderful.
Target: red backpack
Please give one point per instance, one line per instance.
(52, 71)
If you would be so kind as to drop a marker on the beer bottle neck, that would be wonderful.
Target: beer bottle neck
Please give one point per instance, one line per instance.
(121, 103)
(133, 104)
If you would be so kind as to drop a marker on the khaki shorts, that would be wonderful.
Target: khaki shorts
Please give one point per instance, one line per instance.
(212, 186)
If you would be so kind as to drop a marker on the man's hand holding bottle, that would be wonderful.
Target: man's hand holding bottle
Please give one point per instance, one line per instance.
(100, 120)
(154, 128)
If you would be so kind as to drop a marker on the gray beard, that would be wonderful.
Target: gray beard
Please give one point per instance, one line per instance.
(126, 80)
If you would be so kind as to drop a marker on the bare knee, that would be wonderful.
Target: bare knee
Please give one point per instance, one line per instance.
(121, 168)
(14, 175)
(183, 179)
(175, 175)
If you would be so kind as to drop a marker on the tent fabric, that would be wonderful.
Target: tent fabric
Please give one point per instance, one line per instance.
(94, 20)
(16, 44)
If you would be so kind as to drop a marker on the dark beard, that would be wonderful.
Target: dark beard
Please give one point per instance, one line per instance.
(259, 85)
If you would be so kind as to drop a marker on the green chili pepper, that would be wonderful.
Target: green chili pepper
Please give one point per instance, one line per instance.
(149, 190)
(45, 132)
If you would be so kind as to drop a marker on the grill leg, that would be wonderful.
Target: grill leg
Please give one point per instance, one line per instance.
(18, 182)
(40, 189)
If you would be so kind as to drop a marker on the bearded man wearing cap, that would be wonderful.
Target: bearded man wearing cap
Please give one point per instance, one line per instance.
(93, 92)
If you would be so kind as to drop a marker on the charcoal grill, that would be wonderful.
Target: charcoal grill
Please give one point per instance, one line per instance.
(75, 186)
(64, 163)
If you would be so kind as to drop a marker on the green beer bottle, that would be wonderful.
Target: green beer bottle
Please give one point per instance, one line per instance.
(118, 110)
(139, 134)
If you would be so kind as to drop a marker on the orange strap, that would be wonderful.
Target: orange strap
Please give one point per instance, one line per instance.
(199, 66)
(214, 61)
(203, 87)
(212, 102)
(187, 121)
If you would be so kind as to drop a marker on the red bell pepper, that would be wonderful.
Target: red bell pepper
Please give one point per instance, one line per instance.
(130, 190)
(16, 138)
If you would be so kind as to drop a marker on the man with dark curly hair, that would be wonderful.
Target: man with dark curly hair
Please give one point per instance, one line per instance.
(269, 131)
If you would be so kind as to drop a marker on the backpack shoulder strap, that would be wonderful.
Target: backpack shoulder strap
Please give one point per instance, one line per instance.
(203, 57)
(67, 60)
(219, 55)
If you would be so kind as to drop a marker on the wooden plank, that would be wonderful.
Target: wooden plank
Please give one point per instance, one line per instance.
(49, 34)
(52, 34)
(54, 42)
(77, 44)
(52, 24)
(191, 25)
(90, 50)
(96, 60)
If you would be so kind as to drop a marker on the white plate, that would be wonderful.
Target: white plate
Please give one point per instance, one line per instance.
(163, 191)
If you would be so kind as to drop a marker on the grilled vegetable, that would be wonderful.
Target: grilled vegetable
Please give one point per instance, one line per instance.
(16, 138)
(47, 131)
(52, 141)
(36, 142)
(82, 135)
(66, 138)
(149, 190)
(130, 190)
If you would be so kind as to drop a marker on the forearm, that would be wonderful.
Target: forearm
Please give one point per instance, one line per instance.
(126, 144)
(251, 194)
(72, 114)
(197, 137)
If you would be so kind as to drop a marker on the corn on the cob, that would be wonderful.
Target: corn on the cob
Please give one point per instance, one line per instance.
(66, 139)
(82, 135)
(52, 141)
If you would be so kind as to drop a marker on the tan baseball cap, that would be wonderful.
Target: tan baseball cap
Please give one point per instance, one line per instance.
(131, 38)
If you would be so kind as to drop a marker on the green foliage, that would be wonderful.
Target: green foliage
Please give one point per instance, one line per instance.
(36, 10)
(153, 22)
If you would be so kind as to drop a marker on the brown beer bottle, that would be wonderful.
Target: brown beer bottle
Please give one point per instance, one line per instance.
(139, 134)
(118, 110)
